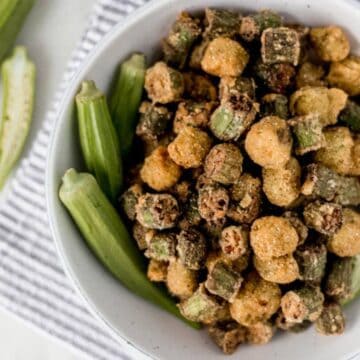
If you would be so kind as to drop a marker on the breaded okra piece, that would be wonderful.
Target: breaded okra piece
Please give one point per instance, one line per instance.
(129, 199)
(260, 333)
(304, 303)
(199, 87)
(275, 105)
(310, 74)
(220, 22)
(230, 86)
(284, 325)
(227, 336)
(234, 242)
(164, 84)
(269, 142)
(331, 321)
(223, 164)
(139, 234)
(252, 26)
(157, 211)
(192, 248)
(161, 246)
(351, 115)
(308, 131)
(256, 301)
(233, 117)
(298, 225)
(177, 45)
(191, 216)
(157, 271)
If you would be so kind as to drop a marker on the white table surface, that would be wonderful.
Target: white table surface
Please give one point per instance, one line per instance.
(50, 33)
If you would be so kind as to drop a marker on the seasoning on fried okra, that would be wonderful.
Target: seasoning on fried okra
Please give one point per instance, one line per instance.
(181, 281)
(280, 270)
(221, 23)
(280, 45)
(311, 258)
(245, 199)
(157, 211)
(346, 75)
(346, 242)
(129, 199)
(310, 74)
(183, 34)
(260, 333)
(330, 43)
(224, 57)
(191, 248)
(298, 225)
(350, 116)
(223, 164)
(234, 241)
(282, 185)
(159, 171)
(252, 26)
(256, 301)
(139, 234)
(304, 303)
(161, 246)
(199, 88)
(190, 147)
(269, 142)
(275, 105)
(308, 131)
(157, 270)
(331, 321)
(191, 113)
(213, 202)
(233, 117)
(164, 84)
(230, 86)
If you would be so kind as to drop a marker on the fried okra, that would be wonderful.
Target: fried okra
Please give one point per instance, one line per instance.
(331, 320)
(234, 241)
(310, 74)
(260, 333)
(157, 271)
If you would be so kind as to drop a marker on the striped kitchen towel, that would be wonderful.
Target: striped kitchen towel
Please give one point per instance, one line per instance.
(32, 282)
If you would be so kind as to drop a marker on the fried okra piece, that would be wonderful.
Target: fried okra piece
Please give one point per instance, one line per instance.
(164, 84)
(223, 281)
(277, 78)
(223, 164)
(192, 113)
(256, 301)
(245, 199)
(239, 265)
(233, 117)
(311, 258)
(161, 246)
(308, 131)
(346, 75)
(252, 26)
(224, 57)
(273, 236)
(275, 105)
(177, 45)
(191, 216)
(304, 303)
(350, 116)
(197, 54)
(330, 43)
(269, 142)
(212, 231)
(280, 45)
(227, 336)
(129, 199)
(139, 234)
(221, 23)
(190, 147)
(355, 169)
(234, 242)
(230, 86)
(284, 325)
(349, 191)
(310, 74)
(157, 211)
(280, 270)
(213, 202)
(181, 281)
(260, 333)
(331, 321)
(199, 87)
(282, 185)
(298, 225)
(201, 307)
(157, 271)
(324, 217)
(191, 248)
(346, 242)
(328, 103)
(159, 171)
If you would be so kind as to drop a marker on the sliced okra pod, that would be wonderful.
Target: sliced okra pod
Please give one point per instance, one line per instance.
(275, 105)
(161, 245)
(221, 23)
(351, 115)
(298, 225)
(139, 234)
(157, 271)
(129, 199)
(235, 86)
(331, 321)
(234, 242)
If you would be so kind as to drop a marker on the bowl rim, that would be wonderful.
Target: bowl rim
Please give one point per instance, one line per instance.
(106, 40)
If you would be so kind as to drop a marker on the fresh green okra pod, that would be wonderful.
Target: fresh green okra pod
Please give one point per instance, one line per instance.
(125, 100)
(331, 321)
(275, 105)
(108, 238)
(221, 23)
(161, 246)
(351, 115)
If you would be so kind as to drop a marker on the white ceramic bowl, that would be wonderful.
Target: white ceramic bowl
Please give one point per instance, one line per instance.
(155, 332)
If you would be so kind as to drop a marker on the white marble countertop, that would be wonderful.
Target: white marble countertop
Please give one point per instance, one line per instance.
(50, 33)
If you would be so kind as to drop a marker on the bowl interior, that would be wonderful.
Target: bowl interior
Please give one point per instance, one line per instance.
(142, 324)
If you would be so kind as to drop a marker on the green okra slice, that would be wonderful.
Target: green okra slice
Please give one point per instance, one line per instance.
(125, 100)
(221, 23)
(107, 237)
(129, 199)
(161, 246)
(351, 115)
(139, 233)
(275, 105)
(98, 139)
(12, 15)
(18, 74)
(331, 321)
(355, 282)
